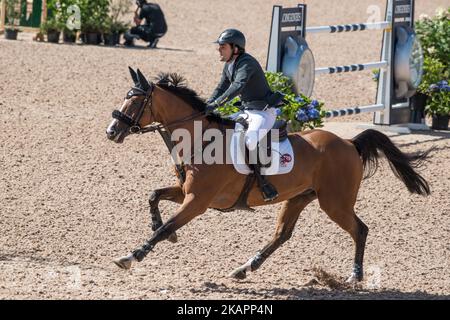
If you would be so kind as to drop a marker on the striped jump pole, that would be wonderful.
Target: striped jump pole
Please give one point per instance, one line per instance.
(352, 67)
(353, 110)
(382, 25)
(357, 110)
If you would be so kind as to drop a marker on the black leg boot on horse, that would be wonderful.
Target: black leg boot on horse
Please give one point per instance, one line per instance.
(174, 194)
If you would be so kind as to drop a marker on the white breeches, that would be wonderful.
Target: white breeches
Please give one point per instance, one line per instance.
(259, 123)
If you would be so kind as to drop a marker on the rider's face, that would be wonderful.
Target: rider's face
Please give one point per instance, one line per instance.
(225, 52)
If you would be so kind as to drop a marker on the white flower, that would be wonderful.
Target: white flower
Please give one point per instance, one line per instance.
(440, 12)
(431, 50)
(423, 16)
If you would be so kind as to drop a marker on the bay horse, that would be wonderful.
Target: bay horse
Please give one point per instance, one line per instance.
(327, 168)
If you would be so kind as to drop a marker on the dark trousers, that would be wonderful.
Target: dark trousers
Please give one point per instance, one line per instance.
(143, 32)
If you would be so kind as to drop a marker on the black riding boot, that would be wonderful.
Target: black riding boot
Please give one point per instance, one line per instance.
(267, 189)
(153, 43)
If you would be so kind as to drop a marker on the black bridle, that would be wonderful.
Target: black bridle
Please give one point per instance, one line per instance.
(133, 124)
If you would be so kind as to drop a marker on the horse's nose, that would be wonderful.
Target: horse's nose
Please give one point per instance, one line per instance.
(110, 133)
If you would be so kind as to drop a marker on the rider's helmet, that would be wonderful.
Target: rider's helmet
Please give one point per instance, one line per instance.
(233, 37)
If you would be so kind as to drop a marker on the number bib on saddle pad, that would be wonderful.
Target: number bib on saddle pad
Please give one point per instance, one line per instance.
(282, 155)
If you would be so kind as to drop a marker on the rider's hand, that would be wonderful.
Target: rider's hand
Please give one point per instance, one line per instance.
(210, 107)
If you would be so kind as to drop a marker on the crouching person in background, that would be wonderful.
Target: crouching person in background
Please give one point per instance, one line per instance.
(154, 27)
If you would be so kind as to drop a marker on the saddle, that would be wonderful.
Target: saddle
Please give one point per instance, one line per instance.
(280, 127)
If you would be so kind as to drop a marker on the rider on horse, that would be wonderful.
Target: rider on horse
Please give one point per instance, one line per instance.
(242, 75)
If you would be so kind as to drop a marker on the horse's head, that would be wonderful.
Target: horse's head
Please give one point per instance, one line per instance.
(135, 113)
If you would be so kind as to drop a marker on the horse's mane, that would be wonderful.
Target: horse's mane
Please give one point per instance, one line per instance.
(176, 84)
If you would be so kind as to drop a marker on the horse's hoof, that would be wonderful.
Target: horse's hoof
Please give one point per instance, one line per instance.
(124, 262)
(238, 274)
(354, 278)
(173, 238)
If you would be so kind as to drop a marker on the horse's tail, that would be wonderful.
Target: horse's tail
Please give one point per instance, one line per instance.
(369, 142)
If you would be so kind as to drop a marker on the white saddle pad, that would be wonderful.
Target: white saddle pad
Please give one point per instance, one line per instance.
(282, 156)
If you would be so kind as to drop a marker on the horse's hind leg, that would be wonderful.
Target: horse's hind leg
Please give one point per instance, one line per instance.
(287, 218)
(360, 241)
(341, 211)
(174, 194)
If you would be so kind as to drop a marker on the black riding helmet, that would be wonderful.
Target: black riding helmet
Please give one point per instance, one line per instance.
(232, 36)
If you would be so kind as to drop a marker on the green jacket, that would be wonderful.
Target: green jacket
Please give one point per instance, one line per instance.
(247, 80)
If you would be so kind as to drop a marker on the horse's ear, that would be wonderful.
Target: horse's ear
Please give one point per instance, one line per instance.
(133, 76)
(144, 85)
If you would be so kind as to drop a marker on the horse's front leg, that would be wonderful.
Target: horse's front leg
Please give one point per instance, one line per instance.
(174, 194)
(188, 211)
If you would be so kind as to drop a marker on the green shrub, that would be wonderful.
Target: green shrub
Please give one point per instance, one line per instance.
(112, 26)
(94, 14)
(117, 9)
(52, 24)
(434, 35)
(12, 14)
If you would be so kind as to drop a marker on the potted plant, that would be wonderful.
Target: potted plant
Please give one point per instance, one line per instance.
(92, 31)
(69, 36)
(52, 27)
(113, 26)
(93, 17)
(12, 19)
(68, 17)
(55, 23)
(439, 105)
(113, 31)
(434, 34)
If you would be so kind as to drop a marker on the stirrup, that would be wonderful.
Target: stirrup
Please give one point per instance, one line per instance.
(269, 192)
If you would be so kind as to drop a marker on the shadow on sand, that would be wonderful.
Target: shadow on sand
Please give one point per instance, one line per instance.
(139, 47)
(318, 292)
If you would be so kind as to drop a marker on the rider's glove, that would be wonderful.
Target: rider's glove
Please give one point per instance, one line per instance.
(210, 107)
